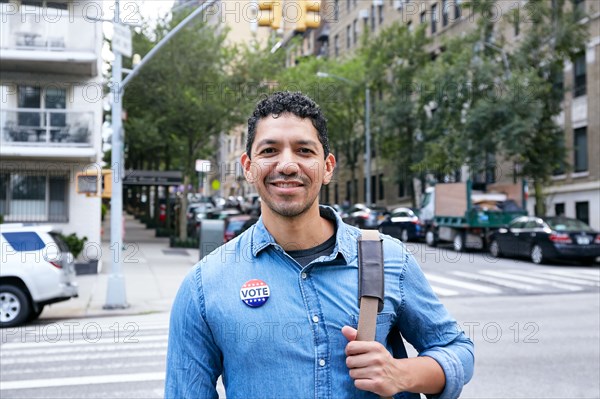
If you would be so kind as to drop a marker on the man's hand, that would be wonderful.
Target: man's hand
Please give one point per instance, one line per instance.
(371, 366)
(375, 370)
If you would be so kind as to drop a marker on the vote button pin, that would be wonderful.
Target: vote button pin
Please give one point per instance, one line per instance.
(255, 293)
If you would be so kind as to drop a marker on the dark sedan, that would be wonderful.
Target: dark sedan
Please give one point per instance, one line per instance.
(403, 223)
(550, 238)
(365, 217)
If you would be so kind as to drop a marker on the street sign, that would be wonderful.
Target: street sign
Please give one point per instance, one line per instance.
(121, 40)
(202, 165)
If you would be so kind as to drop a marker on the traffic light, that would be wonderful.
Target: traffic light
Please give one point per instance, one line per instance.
(87, 182)
(93, 184)
(308, 14)
(271, 13)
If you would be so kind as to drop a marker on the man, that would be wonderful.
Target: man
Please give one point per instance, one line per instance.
(274, 310)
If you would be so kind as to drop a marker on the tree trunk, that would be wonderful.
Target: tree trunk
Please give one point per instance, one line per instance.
(540, 203)
(182, 210)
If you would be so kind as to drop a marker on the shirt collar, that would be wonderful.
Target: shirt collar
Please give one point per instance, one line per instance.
(346, 236)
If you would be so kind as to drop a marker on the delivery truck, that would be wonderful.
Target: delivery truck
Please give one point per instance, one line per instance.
(466, 214)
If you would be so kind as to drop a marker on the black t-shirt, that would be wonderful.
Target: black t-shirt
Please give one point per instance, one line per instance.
(305, 256)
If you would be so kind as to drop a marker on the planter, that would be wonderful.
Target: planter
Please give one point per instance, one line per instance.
(89, 267)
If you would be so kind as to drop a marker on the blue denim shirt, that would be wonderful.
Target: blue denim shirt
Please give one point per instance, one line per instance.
(292, 346)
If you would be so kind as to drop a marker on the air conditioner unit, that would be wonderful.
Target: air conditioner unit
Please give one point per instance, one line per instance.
(377, 3)
(364, 13)
(398, 4)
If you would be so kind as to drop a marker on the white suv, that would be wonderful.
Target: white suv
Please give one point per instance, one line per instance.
(36, 269)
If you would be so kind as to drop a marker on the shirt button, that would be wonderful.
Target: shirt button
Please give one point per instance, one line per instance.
(304, 276)
(315, 319)
(322, 362)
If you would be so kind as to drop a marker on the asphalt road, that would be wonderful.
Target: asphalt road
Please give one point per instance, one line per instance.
(536, 331)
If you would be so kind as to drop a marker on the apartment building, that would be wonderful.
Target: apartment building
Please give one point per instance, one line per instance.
(574, 192)
(51, 112)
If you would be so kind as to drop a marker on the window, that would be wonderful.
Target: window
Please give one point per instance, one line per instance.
(373, 188)
(381, 187)
(336, 10)
(444, 12)
(348, 190)
(348, 38)
(457, 10)
(60, 5)
(559, 209)
(422, 17)
(558, 82)
(579, 6)
(401, 192)
(582, 211)
(34, 97)
(580, 149)
(410, 27)
(354, 31)
(336, 45)
(34, 196)
(516, 23)
(433, 19)
(380, 12)
(580, 76)
(348, 6)
(372, 18)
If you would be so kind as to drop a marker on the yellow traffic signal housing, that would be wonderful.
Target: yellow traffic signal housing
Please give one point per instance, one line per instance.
(271, 13)
(93, 184)
(309, 14)
(107, 175)
(87, 182)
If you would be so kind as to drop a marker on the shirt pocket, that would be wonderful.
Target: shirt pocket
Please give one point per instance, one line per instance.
(383, 327)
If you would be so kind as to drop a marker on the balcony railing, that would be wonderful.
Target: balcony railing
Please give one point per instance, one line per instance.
(40, 31)
(32, 126)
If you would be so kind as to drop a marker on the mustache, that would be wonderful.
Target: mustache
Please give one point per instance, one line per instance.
(286, 178)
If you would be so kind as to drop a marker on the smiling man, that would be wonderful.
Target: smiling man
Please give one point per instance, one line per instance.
(274, 311)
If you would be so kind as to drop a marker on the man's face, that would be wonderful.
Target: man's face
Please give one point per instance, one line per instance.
(288, 165)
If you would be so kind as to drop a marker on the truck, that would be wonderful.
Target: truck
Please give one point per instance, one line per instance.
(466, 214)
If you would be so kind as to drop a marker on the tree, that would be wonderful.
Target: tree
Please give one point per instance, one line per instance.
(393, 60)
(187, 95)
(341, 97)
(554, 36)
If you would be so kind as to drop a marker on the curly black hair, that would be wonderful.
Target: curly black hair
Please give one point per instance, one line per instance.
(296, 103)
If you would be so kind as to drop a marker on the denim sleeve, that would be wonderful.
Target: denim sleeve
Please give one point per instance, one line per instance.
(194, 361)
(427, 325)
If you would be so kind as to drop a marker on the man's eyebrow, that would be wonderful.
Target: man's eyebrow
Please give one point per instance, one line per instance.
(307, 142)
(266, 142)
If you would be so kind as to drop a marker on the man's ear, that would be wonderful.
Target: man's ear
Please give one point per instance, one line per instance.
(247, 166)
(329, 168)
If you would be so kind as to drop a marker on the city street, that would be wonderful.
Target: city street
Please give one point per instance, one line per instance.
(536, 331)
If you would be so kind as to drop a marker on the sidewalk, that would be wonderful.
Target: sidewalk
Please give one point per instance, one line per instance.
(152, 272)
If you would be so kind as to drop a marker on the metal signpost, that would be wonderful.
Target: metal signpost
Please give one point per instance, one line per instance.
(115, 292)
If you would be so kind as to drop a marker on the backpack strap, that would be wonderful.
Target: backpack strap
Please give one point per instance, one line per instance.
(370, 283)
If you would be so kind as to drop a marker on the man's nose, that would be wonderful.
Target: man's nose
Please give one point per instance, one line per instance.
(287, 164)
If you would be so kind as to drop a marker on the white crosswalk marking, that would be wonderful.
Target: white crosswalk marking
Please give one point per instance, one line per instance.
(462, 284)
(497, 281)
(70, 381)
(564, 279)
(118, 357)
(576, 275)
(443, 291)
(532, 280)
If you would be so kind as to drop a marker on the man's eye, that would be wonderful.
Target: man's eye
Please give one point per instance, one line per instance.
(268, 151)
(306, 150)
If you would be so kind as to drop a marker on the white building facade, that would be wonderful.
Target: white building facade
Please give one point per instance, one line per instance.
(51, 91)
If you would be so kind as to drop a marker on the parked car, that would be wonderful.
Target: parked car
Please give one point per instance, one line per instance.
(236, 225)
(36, 269)
(403, 223)
(195, 213)
(365, 217)
(544, 239)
